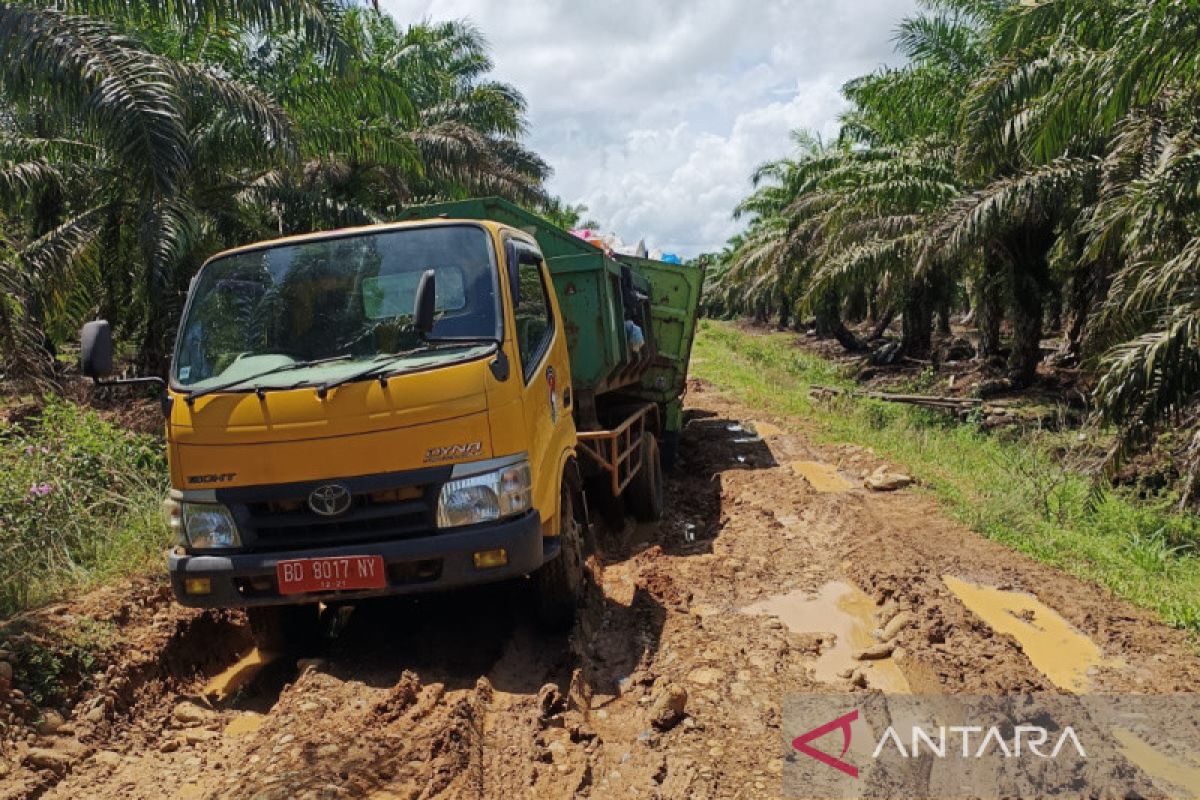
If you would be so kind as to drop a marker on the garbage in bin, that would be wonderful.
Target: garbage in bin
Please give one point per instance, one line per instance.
(634, 335)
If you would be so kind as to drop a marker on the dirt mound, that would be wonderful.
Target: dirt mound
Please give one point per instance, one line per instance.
(100, 669)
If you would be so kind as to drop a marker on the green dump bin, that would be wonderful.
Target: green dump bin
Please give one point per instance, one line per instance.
(674, 301)
(588, 286)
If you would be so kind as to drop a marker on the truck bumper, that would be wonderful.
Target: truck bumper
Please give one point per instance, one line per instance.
(425, 564)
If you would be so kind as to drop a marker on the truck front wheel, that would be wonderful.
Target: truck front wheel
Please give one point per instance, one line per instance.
(291, 630)
(559, 582)
(645, 491)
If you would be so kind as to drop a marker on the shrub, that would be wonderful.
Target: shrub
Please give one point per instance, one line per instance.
(79, 501)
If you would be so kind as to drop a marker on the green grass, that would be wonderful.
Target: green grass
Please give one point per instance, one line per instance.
(79, 504)
(1014, 490)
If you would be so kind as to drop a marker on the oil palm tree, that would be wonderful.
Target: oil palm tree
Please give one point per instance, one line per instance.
(140, 137)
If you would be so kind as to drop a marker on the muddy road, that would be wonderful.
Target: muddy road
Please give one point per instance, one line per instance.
(773, 570)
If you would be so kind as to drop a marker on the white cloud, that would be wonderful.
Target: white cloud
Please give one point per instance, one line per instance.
(654, 114)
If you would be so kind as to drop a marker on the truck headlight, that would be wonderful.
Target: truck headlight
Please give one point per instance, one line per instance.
(485, 497)
(208, 526)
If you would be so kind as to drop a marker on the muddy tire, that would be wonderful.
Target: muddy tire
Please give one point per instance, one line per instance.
(645, 491)
(559, 583)
(293, 630)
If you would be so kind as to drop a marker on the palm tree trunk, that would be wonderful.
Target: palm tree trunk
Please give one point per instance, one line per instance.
(154, 354)
(943, 316)
(48, 208)
(1026, 312)
(939, 287)
(785, 315)
(917, 324)
(1029, 248)
(882, 324)
(856, 304)
(829, 322)
(989, 311)
(826, 312)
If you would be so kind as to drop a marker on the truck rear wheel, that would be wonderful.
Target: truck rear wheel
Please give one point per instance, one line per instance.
(291, 630)
(645, 491)
(560, 581)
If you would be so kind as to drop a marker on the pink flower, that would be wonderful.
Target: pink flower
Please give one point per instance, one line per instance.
(40, 489)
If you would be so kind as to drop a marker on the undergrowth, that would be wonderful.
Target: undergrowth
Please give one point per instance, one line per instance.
(79, 504)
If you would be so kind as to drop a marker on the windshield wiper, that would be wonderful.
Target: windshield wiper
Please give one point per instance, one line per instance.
(380, 370)
(221, 387)
(434, 342)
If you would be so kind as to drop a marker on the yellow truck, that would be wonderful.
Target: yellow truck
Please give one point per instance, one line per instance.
(412, 407)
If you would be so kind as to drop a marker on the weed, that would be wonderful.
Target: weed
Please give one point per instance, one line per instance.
(1153, 553)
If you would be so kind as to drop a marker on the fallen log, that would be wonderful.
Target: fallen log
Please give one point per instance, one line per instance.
(929, 401)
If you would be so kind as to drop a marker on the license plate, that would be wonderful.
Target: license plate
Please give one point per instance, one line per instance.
(303, 575)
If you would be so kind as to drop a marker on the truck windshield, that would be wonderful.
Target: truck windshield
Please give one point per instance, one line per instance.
(339, 302)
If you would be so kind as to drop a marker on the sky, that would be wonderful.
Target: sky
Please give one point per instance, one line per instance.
(654, 113)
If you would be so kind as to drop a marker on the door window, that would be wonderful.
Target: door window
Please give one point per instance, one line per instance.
(535, 325)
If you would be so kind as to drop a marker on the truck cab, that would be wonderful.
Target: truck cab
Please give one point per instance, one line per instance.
(313, 426)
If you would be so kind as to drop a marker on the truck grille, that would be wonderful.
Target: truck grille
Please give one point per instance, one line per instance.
(279, 518)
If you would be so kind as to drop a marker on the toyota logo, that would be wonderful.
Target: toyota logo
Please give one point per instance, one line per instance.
(330, 500)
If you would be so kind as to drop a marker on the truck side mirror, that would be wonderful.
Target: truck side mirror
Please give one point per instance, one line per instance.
(95, 340)
(424, 303)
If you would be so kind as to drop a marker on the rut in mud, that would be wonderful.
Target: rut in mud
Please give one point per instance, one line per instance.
(773, 569)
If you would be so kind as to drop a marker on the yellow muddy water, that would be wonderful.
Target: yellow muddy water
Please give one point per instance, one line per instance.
(249, 722)
(239, 674)
(846, 612)
(1057, 650)
(822, 477)
(1177, 773)
(766, 429)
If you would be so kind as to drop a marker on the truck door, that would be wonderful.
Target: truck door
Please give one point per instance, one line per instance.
(545, 375)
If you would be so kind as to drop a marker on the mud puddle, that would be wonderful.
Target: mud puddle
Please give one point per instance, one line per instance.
(238, 675)
(1053, 646)
(849, 615)
(1168, 773)
(765, 430)
(823, 478)
(245, 723)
